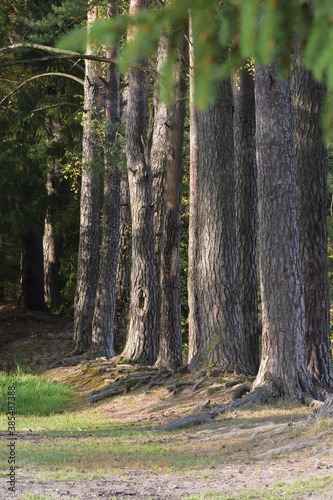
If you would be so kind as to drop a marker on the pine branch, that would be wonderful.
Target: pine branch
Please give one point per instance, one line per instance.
(40, 59)
(56, 105)
(65, 75)
(62, 53)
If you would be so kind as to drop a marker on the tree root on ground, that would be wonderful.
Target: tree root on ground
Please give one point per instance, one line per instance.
(267, 393)
(261, 395)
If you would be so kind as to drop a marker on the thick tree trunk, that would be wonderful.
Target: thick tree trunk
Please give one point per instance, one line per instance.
(87, 273)
(170, 341)
(32, 271)
(282, 291)
(311, 175)
(216, 335)
(141, 345)
(246, 212)
(102, 343)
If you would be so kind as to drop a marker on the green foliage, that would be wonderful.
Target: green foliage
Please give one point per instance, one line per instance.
(264, 30)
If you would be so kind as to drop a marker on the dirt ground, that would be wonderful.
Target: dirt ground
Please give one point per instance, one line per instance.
(46, 340)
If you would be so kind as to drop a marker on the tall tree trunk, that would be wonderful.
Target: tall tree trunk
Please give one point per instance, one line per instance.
(246, 212)
(123, 292)
(170, 341)
(311, 178)
(141, 345)
(87, 273)
(282, 291)
(52, 242)
(216, 335)
(32, 280)
(158, 164)
(102, 343)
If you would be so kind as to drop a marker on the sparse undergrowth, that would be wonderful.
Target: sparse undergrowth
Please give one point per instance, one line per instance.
(111, 448)
(279, 491)
(33, 394)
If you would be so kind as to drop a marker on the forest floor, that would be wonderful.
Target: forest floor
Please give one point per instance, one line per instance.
(113, 448)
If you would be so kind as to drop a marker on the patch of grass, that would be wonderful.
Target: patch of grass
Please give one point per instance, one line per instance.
(33, 394)
(295, 490)
(33, 496)
(93, 450)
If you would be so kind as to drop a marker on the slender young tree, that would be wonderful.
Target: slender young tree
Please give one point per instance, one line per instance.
(216, 335)
(51, 253)
(102, 343)
(87, 274)
(142, 342)
(246, 212)
(282, 290)
(32, 281)
(123, 288)
(170, 340)
(158, 164)
(311, 177)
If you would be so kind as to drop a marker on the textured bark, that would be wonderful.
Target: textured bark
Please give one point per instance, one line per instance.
(87, 274)
(158, 154)
(216, 335)
(52, 242)
(170, 341)
(102, 343)
(123, 290)
(158, 164)
(32, 271)
(282, 290)
(246, 213)
(141, 345)
(311, 178)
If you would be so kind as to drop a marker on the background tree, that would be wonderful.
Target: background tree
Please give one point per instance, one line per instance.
(103, 321)
(87, 273)
(141, 344)
(170, 340)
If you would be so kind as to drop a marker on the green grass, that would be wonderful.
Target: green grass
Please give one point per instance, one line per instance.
(33, 394)
(293, 491)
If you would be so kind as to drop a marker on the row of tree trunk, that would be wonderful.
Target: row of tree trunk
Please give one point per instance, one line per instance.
(251, 126)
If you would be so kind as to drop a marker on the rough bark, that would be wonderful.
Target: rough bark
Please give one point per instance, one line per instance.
(102, 342)
(216, 335)
(282, 291)
(170, 340)
(123, 288)
(87, 274)
(158, 154)
(141, 345)
(311, 178)
(32, 280)
(246, 212)
(158, 164)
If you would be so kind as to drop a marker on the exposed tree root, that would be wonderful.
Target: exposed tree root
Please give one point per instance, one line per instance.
(267, 393)
(325, 410)
(261, 395)
(252, 432)
(287, 449)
